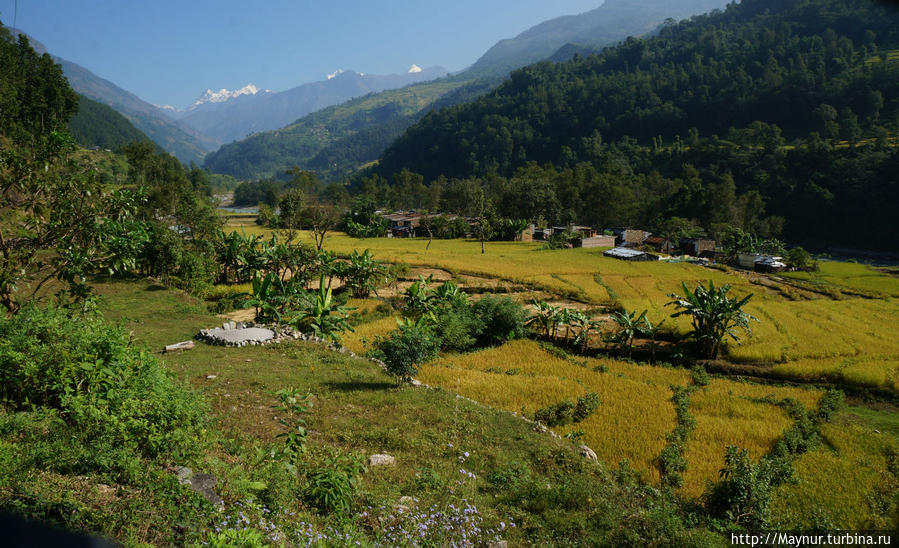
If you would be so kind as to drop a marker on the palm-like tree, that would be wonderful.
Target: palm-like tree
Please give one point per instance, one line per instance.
(545, 319)
(714, 314)
(630, 324)
(326, 319)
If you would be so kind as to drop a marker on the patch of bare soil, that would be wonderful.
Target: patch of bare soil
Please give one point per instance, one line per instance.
(243, 315)
(438, 274)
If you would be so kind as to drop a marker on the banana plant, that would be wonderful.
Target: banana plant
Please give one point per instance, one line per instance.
(420, 297)
(545, 319)
(714, 314)
(630, 324)
(267, 298)
(326, 319)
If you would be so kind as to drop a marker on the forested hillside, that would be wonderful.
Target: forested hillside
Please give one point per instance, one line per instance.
(794, 102)
(272, 152)
(96, 124)
(337, 141)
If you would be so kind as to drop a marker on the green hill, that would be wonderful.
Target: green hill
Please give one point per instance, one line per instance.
(272, 152)
(778, 108)
(336, 141)
(97, 125)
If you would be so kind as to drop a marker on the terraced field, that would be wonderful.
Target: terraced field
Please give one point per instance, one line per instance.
(835, 325)
(832, 334)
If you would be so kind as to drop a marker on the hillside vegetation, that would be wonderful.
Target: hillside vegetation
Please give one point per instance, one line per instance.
(337, 141)
(775, 98)
(96, 124)
(375, 118)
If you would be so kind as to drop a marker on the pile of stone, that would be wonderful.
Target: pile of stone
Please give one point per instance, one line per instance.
(251, 334)
(246, 334)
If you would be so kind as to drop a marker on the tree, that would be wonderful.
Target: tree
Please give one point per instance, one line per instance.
(290, 216)
(714, 315)
(321, 218)
(407, 347)
(630, 324)
(56, 218)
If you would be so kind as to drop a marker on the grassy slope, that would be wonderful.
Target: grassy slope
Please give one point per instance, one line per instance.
(556, 495)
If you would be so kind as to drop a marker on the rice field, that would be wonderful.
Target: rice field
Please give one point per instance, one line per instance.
(852, 276)
(801, 339)
(846, 482)
(636, 413)
(727, 413)
(631, 423)
(360, 339)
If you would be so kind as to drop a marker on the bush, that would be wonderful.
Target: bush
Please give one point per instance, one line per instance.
(557, 414)
(404, 349)
(458, 329)
(106, 391)
(566, 412)
(700, 376)
(744, 493)
(585, 406)
(503, 319)
(333, 486)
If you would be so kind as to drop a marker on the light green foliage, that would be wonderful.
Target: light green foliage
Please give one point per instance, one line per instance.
(326, 318)
(332, 486)
(743, 495)
(714, 315)
(407, 347)
(293, 405)
(118, 400)
(362, 274)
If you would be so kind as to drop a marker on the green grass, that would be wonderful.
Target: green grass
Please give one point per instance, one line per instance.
(552, 494)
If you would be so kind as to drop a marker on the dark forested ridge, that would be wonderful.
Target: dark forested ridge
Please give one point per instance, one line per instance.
(337, 141)
(96, 124)
(795, 101)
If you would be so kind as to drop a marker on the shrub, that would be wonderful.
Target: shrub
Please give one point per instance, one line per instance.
(566, 412)
(332, 487)
(109, 393)
(700, 376)
(504, 319)
(557, 414)
(362, 274)
(458, 329)
(585, 406)
(407, 347)
(744, 492)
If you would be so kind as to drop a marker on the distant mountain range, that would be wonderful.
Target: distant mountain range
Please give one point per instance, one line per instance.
(226, 116)
(218, 117)
(336, 141)
(614, 20)
(182, 142)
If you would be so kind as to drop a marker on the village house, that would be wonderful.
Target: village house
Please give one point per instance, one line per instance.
(760, 262)
(598, 241)
(630, 254)
(629, 237)
(659, 244)
(697, 247)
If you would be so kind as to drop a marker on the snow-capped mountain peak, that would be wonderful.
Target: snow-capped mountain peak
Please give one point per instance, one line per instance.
(414, 68)
(223, 95)
(335, 73)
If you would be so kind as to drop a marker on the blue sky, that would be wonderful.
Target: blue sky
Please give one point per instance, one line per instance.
(169, 52)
